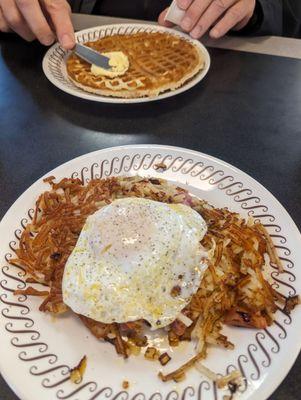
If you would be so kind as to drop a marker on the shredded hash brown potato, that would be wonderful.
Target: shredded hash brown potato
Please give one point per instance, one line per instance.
(233, 291)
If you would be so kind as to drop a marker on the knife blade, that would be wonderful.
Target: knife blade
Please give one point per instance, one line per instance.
(92, 56)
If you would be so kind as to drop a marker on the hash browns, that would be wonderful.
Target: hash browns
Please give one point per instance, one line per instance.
(233, 291)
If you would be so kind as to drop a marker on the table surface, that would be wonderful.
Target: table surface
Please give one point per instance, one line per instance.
(246, 112)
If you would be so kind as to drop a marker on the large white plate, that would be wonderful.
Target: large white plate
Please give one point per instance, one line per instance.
(54, 62)
(36, 350)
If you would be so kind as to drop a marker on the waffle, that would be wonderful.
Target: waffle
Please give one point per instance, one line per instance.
(159, 62)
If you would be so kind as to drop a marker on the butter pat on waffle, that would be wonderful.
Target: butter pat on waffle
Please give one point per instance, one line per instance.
(119, 64)
(158, 62)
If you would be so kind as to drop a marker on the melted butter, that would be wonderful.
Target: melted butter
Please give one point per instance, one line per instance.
(119, 63)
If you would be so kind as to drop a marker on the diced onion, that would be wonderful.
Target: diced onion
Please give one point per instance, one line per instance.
(185, 320)
(206, 371)
(221, 381)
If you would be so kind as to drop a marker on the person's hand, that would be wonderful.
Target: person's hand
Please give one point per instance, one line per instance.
(216, 16)
(44, 20)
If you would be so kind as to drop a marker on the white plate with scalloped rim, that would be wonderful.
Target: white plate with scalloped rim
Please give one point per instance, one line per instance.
(36, 351)
(54, 62)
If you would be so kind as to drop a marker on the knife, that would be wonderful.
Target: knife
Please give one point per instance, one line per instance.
(92, 56)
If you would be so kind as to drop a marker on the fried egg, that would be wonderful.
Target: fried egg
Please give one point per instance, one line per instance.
(136, 259)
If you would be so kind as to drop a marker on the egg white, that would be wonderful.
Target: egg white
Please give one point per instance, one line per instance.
(129, 257)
